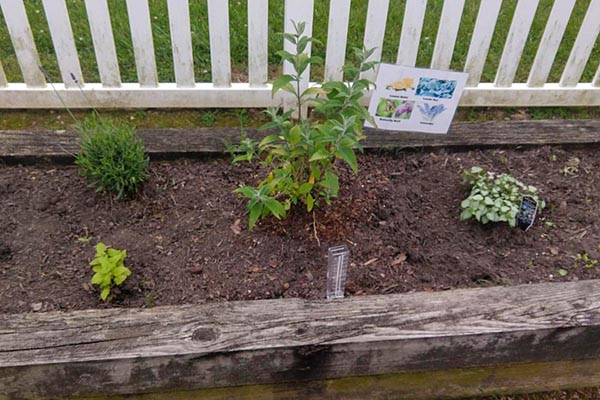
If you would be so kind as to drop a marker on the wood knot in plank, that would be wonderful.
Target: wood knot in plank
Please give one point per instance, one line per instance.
(204, 335)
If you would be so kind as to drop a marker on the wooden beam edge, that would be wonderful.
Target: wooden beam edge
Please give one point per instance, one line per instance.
(181, 142)
(278, 342)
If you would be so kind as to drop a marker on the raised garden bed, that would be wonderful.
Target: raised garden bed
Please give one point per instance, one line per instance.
(187, 242)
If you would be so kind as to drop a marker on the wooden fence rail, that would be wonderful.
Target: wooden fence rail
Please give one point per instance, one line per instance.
(148, 91)
(419, 345)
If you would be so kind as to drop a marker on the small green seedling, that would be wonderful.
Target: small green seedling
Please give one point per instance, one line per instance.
(563, 272)
(109, 267)
(550, 224)
(494, 198)
(585, 260)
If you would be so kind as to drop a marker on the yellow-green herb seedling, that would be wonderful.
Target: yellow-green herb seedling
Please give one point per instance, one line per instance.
(109, 269)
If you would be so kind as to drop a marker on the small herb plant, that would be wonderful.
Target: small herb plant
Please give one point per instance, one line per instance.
(109, 269)
(111, 156)
(494, 198)
(301, 157)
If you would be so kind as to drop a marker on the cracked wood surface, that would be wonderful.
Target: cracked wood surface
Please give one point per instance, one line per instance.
(120, 351)
(169, 142)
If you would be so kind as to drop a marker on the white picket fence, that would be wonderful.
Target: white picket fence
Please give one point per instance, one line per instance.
(148, 92)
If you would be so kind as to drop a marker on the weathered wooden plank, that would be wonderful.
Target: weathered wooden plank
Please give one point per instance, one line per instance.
(258, 36)
(121, 351)
(580, 53)
(447, 33)
(337, 37)
(553, 34)
(143, 44)
(64, 44)
(412, 25)
(487, 17)
(220, 58)
(181, 42)
(169, 142)
(22, 40)
(457, 383)
(104, 42)
(515, 42)
(377, 12)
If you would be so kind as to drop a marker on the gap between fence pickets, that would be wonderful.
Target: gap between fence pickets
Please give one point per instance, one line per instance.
(276, 341)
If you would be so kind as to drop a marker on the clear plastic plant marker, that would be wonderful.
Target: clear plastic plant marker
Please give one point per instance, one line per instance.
(338, 257)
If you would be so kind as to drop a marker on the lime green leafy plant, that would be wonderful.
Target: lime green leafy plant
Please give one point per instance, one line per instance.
(300, 157)
(111, 156)
(109, 269)
(494, 198)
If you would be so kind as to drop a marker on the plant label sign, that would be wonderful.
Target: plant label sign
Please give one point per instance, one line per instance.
(336, 271)
(527, 212)
(415, 99)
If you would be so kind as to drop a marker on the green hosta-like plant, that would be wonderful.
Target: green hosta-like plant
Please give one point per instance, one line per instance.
(494, 198)
(109, 269)
(111, 156)
(301, 156)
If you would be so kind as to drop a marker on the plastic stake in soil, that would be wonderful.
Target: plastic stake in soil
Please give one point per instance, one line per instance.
(336, 272)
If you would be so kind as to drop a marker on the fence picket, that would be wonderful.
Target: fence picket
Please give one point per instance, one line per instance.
(181, 42)
(375, 31)
(583, 46)
(3, 82)
(104, 42)
(515, 43)
(22, 40)
(296, 12)
(143, 45)
(64, 45)
(412, 25)
(553, 34)
(481, 39)
(218, 25)
(337, 36)
(596, 80)
(447, 33)
(258, 29)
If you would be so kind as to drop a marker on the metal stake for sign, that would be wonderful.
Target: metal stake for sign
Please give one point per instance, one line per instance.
(336, 272)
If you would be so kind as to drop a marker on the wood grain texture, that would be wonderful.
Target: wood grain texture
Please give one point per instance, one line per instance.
(120, 351)
(169, 142)
(456, 383)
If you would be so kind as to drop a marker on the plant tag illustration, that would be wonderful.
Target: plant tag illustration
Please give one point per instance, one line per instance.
(338, 257)
(415, 99)
(527, 212)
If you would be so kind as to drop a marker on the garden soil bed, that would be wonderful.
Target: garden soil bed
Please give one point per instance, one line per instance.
(187, 239)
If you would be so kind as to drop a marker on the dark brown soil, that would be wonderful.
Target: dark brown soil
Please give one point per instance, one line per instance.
(187, 239)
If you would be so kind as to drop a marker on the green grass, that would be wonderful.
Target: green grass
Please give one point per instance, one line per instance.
(239, 47)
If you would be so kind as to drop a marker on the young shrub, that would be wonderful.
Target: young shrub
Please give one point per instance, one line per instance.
(494, 198)
(109, 269)
(111, 156)
(300, 157)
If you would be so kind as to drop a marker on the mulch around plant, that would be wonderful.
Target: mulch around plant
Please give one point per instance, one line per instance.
(187, 239)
